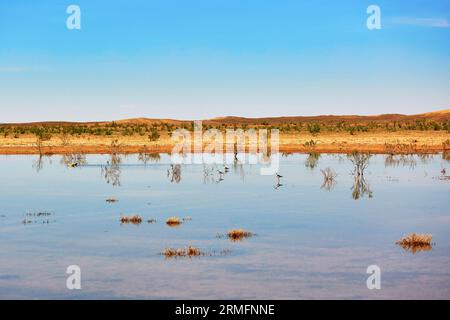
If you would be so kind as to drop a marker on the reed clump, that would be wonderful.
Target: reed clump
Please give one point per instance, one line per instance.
(239, 234)
(416, 242)
(189, 251)
(135, 219)
(173, 222)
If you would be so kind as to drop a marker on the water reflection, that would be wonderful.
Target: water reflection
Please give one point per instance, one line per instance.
(145, 156)
(329, 179)
(397, 160)
(38, 163)
(312, 160)
(73, 160)
(277, 185)
(212, 174)
(174, 173)
(360, 187)
(415, 248)
(297, 223)
(38, 218)
(111, 171)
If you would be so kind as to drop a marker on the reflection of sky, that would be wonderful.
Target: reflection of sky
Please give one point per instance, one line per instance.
(310, 243)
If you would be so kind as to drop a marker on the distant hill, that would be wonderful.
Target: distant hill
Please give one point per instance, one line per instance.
(442, 115)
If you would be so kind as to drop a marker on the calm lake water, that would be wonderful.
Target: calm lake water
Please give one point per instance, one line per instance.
(312, 240)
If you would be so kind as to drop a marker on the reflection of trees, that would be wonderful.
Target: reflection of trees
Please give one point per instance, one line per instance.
(149, 157)
(312, 160)
(446, 156)
(397, 160)
(329, 179)
(360, 187)
(38, 163)
(111, 171)
(425, 158)
(174, 173)
(145, 156)
(71, 160)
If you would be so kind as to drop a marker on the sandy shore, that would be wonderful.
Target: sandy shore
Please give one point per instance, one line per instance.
(373, 142)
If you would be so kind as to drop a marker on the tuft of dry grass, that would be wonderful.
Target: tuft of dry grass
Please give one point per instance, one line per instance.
(173, 221)
(136, 219)
(416, 242)
(182, 252)
(239, 234)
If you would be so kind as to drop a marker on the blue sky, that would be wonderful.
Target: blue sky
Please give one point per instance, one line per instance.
(194, 59)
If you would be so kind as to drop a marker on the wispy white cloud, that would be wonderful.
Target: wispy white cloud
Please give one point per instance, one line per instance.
(422, 22)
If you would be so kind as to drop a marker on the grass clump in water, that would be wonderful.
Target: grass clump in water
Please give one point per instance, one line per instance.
(173, 222)
(239, 234)
(182, 252)
(135, 219)
(416, 242)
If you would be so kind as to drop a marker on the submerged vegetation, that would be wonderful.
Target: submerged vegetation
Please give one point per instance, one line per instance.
(135, 219)
(173, 221)
(239, 234)
(191, 252)
(183, 252)
(416, 242)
